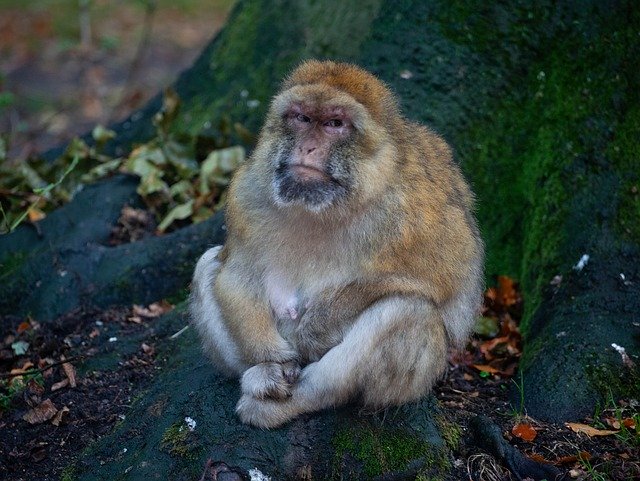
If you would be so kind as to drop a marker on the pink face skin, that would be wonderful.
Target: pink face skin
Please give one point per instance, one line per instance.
(317, 129)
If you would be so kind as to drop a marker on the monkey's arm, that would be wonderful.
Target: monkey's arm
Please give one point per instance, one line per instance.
(393, 353)
(327, 318)
(248, 318)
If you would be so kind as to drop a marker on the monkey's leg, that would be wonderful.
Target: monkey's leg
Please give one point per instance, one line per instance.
(393, 354)
(207, 318)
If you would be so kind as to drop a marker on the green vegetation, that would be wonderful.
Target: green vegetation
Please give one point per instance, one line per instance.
(9, 388)
(385, 450)
(178, 440)
(172, 183)
(560, 129)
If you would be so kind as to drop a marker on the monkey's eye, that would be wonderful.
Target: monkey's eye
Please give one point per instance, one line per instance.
(333, 123)
(303, 118)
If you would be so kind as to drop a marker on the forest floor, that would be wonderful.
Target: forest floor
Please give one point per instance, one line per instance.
(48, 417)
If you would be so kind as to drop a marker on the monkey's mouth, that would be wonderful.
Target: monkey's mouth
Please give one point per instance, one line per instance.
(307, 185)
(308, 173)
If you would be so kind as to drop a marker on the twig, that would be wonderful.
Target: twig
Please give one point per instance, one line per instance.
(9, 375)
(179, 332)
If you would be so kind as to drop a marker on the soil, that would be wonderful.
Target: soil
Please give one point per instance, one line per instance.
(98, 401)
(104, 392)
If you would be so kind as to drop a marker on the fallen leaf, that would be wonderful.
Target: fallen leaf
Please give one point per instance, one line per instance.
(507, 291)
(524, 431)
(57, 419)
(147, 349)
(94, 333)
(35, 214)
(69, 371)
(24, 326)
(589, 430)
(613, 423)
(538, 458)
(60, 384)
(582, 455)
(41, 413)
(629, 423)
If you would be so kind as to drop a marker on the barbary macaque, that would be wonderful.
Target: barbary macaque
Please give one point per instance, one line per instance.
(352, 259)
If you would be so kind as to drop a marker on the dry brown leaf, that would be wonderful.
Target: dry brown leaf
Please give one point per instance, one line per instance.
(573, 459)
(95, 332)
(524, 431)
(612, 423)
(538, 458)
(35, 214)
(589, 430)
(629, 423)
(60, 384)
(507, 291)
(58, 417)
(24, 326)
(41, 413)
(69, 371)
(147, 349)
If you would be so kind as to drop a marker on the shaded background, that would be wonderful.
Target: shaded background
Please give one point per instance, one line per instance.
(67, 65)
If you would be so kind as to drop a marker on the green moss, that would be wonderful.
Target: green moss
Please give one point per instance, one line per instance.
(625, 153)
(11, 263)
(385, 450)
(534, 168)
(450, 432)
(609, 379)
(178, 440)
(70, 473)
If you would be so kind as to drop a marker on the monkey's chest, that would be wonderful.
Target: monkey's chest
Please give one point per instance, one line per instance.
(284, 295)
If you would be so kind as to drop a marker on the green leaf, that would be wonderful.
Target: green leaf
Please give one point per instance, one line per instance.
(101, 170)
(486, 326)
(181, 211)
(218, 166)
(101, 134)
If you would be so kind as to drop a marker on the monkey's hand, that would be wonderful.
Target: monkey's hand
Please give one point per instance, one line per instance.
(270, 380)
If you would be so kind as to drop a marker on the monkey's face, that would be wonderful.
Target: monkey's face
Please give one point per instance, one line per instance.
(312, 167)
(313, 161)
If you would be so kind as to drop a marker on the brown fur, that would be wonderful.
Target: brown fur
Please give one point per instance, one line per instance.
(377, 279)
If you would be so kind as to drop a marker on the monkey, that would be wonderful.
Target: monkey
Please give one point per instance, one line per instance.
(352, 261)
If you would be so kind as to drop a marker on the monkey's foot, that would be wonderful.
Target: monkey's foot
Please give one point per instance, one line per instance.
(270, 380)
(265, 413)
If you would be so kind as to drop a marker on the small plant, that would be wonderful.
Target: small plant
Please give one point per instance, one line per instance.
(589, 468)
(9, 388)
(519, 411)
